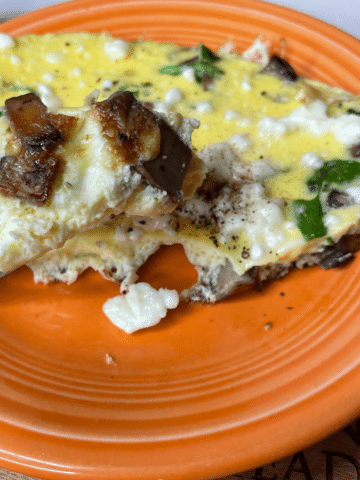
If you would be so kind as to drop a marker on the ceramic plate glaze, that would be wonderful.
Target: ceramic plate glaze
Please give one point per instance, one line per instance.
(211, 390)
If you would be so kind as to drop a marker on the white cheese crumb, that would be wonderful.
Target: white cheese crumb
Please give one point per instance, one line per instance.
(54, 57)
(290, 225)
(331, 220)
(246, 85)
(173, 95)
(258, 52)
(240, 142)
(314, 118)
(107, 84)
(273, 239)
(188, 73)
(312, 160)
(48, 77)
(261, 170)
(142, 307)
(270, 127)
(6, 41)
(161, 107)
(256, 251)
(354, 192)
(228, 48)
(82, 84)
(116, 49)
(230, 115)
(48, 98)
(15, 60)
(204, 107)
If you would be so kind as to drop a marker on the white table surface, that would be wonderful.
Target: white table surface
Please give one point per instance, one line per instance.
(344, 14)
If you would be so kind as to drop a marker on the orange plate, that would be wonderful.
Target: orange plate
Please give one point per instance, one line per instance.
(209, 391)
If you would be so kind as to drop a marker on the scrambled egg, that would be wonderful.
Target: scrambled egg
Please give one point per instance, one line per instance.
(268, 144)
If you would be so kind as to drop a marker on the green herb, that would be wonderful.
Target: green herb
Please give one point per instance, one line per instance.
(1, 114)
(309, 217)
(173, 70)
(202, 64)
(16, 88)
(352, 111)
(208, 68)
(335, 171)
(206, 54)
(309, 214)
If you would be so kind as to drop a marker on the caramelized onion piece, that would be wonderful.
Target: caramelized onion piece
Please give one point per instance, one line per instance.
(133, 127)
(27, 178)
(30, 174)
(30, 122)
(281, 68)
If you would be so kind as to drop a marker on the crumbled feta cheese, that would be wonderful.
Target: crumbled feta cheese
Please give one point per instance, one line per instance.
(204, 107)
(230, 115)
(330, 220)
(15, 60)
(173, 95)
(107, 84)
(260, 170)
(354, 193)
(6, 41)
(48, 77)
(258, 52)
(312, 160)
(270, 128)
(48, 98)
(314, 118)
(246, 85)
(188, 73)
(290, 225)
(346, 129)
(161, 107)
(228, 48)
(273, 239)
(142, 307)
(54, 57)
(240, 142)
(116, 49)
(256, 251)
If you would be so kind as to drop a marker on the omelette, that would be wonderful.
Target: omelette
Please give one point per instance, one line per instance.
(282, 185)
(66, 172)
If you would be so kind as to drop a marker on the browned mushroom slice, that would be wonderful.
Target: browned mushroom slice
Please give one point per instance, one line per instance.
(30, 122)
(27, 178)
(146, 141)
(168, 170)
(132, 127)
(281, 68)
